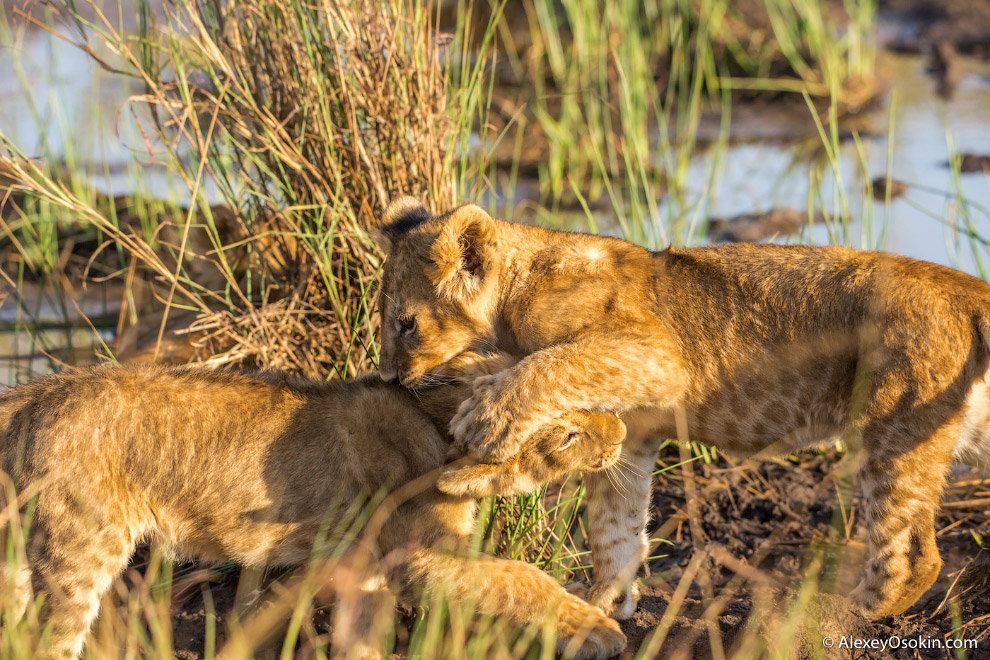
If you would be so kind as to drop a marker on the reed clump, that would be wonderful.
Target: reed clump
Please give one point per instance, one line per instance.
(300, 120)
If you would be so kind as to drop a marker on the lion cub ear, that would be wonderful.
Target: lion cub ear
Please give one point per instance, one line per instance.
(401, 215)
(462, 252)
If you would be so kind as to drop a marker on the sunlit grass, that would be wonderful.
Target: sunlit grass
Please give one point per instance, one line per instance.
(306, 144)
(619, 90)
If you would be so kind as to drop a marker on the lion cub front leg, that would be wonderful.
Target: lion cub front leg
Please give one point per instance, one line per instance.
(618, 511)
(902, 481)
(610, 371)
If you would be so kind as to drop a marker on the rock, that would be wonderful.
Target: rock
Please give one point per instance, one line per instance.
(755, 227)
(945, 65)
(879, 184)
(974, 163)
(826, 619)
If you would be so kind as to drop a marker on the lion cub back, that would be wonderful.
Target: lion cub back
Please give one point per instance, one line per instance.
(183, 454)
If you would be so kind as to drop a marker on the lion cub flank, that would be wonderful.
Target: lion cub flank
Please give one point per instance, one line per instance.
(750, 348)
(251, 467)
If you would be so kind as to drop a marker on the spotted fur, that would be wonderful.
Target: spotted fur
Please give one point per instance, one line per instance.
(250, 467)
(759, 348)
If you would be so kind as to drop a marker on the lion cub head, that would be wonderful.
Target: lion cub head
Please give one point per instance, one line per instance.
(439, 288)
(576, 442)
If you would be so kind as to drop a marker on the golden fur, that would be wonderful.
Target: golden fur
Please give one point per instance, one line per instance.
(751, 348)
(250, 467)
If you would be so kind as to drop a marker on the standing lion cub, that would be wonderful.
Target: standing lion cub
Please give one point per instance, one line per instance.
(251, 468)
(751, 348)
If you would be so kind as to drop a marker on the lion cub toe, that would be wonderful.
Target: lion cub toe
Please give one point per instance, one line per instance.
(586, 633)
(616, 600)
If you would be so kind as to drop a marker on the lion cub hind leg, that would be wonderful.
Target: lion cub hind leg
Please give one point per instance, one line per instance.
(522, 594)
(73, 565)
(902, 484)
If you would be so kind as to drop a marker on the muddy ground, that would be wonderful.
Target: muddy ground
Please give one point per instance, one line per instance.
(788, 509)
(786, 513)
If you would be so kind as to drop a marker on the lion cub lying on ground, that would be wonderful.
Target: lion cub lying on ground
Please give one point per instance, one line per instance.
(249, 467)
(751, 348)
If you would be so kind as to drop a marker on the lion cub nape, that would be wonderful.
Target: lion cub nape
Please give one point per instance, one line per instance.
(252, 468)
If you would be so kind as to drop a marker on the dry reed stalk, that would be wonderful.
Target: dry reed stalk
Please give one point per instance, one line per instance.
(307, 117)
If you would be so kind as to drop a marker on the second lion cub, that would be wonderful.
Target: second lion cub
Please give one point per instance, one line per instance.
(249, 467)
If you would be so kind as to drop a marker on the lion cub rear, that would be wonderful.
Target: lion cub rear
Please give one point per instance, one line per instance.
(251, 467)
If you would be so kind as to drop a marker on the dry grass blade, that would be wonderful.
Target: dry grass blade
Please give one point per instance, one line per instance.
(307, 117)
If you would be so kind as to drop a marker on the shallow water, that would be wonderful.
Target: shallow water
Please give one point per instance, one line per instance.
(35, 337)
(75, 111)
(55, 102)
(760, 175)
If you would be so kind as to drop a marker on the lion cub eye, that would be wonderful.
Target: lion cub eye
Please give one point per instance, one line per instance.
(570, 441)
(405, 326)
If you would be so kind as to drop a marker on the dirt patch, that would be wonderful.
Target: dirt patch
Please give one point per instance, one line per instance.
(880, 185)
(755, 227)
(786, 514)
(971, 163)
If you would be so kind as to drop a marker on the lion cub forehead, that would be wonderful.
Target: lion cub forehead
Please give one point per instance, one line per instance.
(407, 215)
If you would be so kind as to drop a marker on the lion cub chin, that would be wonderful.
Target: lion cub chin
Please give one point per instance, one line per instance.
(251, 467)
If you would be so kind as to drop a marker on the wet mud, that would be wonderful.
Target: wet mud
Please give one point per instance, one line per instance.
(786, 515)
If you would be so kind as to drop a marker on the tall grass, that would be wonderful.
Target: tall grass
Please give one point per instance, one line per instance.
(304, 118)
(619, 89)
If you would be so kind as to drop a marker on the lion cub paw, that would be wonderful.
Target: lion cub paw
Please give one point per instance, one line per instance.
(617, 600)
(586, 633)
(480, 427)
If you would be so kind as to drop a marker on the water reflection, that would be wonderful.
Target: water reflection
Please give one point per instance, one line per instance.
(759, 176)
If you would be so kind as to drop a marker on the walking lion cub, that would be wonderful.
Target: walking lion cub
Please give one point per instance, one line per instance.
(251, 467)
(750, 348)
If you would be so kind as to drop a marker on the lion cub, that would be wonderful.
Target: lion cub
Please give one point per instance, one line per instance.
(251, 467)
(751, 348)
